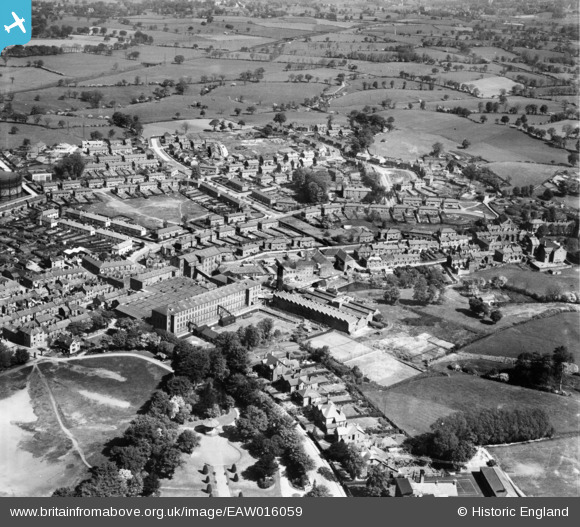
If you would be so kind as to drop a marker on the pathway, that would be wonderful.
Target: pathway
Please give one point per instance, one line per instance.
(65, 430)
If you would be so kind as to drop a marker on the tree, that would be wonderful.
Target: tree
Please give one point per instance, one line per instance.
(505, 119)
(266, 325)
(237, 111)
(265, 467)
(70, 166)
(421, 290)
(251, 109)
(280, 118)
(252, 336)
(496, 315)
(21, 356)
(318, 491)
(437, 149)
(573, 158)
(391, 294)
(14, 130)
(5, 357)
(377, 480)
(179, 59)
(466, 143)
(187, 441)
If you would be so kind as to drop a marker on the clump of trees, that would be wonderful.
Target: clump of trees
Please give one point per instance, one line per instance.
(310, 186)
(455, 438)
(542, 370)
(70, 166)
(9, 358)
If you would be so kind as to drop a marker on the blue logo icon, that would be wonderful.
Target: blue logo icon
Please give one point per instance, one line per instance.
(15, 22)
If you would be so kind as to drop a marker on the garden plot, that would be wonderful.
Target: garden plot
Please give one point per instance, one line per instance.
(376, 364)
(422, 346)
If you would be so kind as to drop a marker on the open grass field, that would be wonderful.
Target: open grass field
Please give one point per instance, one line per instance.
(415, 133)
(523, 173)
(98, 397)
(149, 212)
(95, 399)
(545, 468)
(415, 405)
(48, 136)
(534, 282)
(541, 336)
(491, 86)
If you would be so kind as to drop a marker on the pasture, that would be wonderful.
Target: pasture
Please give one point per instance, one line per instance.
(522, 174)
(416, 404)
(543, 469)
(534, 282)
(415, 133)
(536, 336)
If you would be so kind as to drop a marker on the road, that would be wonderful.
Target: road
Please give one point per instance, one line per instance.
(159, 152)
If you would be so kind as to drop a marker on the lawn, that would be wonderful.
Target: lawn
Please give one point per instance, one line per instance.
(415, 405)
(540, 335)
(547, 468)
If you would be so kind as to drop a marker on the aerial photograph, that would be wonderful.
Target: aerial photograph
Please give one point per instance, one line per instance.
(298, 248)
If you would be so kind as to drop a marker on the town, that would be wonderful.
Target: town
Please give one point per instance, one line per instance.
(343, 296)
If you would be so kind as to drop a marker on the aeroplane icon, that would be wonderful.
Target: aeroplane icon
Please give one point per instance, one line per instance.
(18, 22)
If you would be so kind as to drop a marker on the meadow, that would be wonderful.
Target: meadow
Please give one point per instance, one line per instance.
(536, 336)
(414, 405)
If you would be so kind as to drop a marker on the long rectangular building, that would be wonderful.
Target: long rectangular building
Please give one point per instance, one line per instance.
(206, 308)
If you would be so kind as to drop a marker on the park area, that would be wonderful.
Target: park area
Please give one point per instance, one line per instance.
(56, 414)
(544, 468)
(149, 212)
(375, 363)
(416, 404)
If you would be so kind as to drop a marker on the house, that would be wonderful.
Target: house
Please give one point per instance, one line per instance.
(307, 397)
(511, 254)
(351, 433)
(551, 252)
(274, 368)
(328, 417)
(69, 345)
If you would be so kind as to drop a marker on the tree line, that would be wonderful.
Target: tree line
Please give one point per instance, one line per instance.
(455, 438)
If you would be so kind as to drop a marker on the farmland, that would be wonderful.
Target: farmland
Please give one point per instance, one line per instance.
(537, 336)
(416, 404)
(534, 282)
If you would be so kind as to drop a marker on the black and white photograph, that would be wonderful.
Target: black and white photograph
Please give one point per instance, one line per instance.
(290, 249)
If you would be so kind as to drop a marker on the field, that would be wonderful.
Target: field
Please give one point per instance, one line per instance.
(415, 133)
(493, 85)
(415, 405)
(95, 399)
(546, 468)
(523, 173)
(150, 212)
(541, 336)
(534, 282)
(378, 365)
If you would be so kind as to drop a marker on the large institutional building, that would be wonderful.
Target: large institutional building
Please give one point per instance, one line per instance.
(206, 308)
